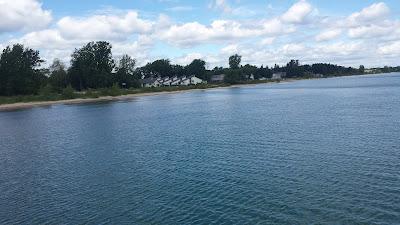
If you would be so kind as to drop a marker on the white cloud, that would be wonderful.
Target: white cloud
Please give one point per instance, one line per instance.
(180, 8)
(340, 48)
(230, 49)
(221, 5)
(390, 49)
(374, 12)
(267, 41)
(298, 12)
(49, 38)
(194, 33)
(328, 35)
(293, 49)
(110, 27)
(16, 15)
(187, 59)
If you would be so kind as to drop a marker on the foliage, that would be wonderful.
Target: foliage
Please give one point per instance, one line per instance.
(113, 91)
(161, 67)
(198, 68)
(125, 76)
(68, 92)
(91, 66)
(293, 69)
(234, 61)
(58, 76)
(18, 73)
(361, 69)
(234, 76)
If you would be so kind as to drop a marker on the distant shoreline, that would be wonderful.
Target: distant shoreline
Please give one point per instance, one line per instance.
(27, 105)
(32, 104)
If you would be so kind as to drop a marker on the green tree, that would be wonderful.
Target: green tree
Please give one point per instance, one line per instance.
(125, 75)
(198, 68)
(234, 61)
(58, 76)
(293, 69)
(18, 71)
(178, 70)
(91, 66)
(362, 69)
(249, 70)
(234, 76)
(161, 67)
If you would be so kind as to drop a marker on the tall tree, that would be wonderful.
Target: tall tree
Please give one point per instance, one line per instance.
(198, 68)
(58, 75)
(293, 69)
(91, 66)
(161, 67)
(234, 61)
(125, 75)
(18, 71)
(362, 69)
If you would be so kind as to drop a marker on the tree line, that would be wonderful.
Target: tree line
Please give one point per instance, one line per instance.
(93, 66)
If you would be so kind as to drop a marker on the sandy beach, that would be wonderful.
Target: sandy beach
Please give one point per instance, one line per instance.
(25, 105)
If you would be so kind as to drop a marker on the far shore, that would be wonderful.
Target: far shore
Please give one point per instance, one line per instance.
(26, 105)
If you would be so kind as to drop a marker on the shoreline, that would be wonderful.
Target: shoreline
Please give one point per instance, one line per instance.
(77, 101)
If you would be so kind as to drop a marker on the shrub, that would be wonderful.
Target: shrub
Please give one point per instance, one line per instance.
(68, 92)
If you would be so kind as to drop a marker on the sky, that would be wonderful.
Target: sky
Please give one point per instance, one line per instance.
(264, 32)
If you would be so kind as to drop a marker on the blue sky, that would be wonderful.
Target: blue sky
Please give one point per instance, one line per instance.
(264, 32)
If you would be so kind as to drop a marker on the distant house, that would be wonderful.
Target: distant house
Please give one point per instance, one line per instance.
(318, 75)
(173, 81)
(176, 81)
(278, 76)
(249, 77)
(262, 78)
(218, 78)
(195, 80)
(191, 80)
(166, 81)
(150, 82)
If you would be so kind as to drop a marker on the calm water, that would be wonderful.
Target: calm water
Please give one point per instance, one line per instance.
(308, 152)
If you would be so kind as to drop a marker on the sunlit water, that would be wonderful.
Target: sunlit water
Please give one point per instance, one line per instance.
(307, 152)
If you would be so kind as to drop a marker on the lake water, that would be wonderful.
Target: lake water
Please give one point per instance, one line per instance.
(307, 152)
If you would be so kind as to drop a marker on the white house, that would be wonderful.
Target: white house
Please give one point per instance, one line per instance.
(149, 82)
(185, 82)
(174, 81)
(166, 81)
(278, 76)
(192, 80)
(195, 80)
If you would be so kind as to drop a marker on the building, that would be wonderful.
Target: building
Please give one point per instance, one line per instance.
(218, 78)
(166, 81)
(174, 81)
(195, 80)
(150, 82)
(278, 76)
(191, 80)
(249, 77)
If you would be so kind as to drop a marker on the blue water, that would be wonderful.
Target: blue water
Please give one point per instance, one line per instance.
(307, 152)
